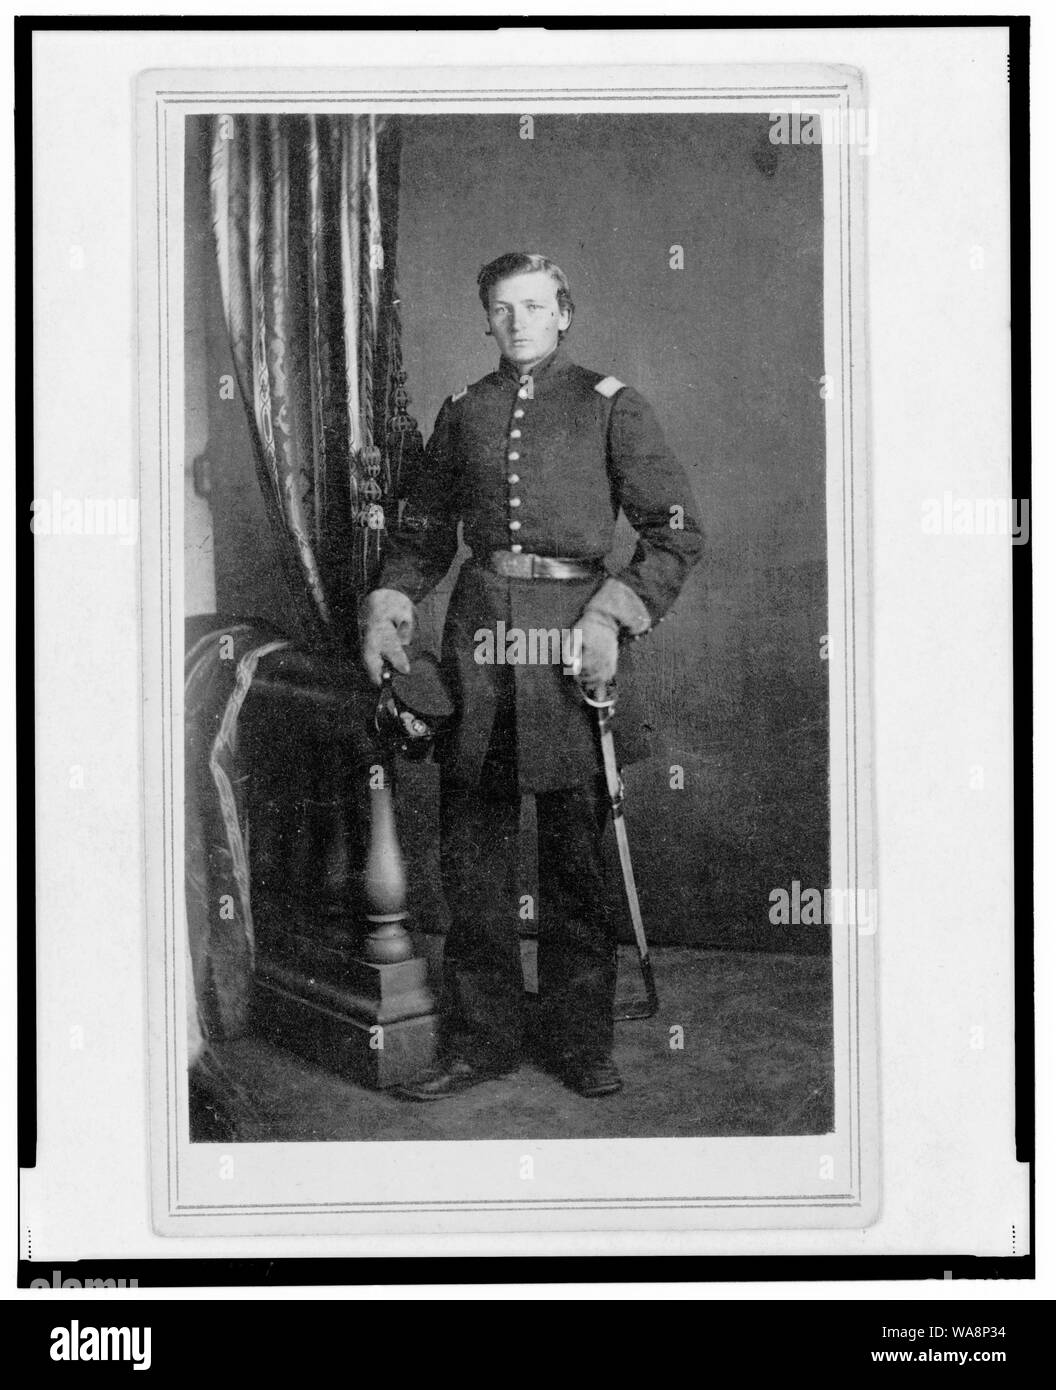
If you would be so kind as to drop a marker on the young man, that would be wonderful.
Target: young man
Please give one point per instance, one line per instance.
(536, 460)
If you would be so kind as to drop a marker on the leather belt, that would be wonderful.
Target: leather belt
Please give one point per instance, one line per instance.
(526, 566)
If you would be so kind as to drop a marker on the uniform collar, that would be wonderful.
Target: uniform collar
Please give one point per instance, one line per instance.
(549, 366)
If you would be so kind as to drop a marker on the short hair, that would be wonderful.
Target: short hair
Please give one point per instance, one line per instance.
(523, 263)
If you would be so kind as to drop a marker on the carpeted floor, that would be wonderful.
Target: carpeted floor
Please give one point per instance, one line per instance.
(756, 1059)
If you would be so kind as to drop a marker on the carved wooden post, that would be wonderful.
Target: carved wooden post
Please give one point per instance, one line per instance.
(337, 978)
(385, 880)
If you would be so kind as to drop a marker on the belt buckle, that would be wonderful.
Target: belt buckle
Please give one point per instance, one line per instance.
(519, 566)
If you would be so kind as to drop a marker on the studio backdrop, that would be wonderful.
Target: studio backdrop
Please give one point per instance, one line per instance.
(694, 250)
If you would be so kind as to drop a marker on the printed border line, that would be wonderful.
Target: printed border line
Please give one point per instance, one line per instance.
(852, 654)
(165, 426)
(167, 607)
(287, 94)
(853, 1053)
(168, 905)
(766, 1203)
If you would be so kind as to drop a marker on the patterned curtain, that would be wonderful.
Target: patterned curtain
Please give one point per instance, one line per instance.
(305, 218)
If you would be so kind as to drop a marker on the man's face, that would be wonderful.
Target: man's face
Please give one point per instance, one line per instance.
(526, 318)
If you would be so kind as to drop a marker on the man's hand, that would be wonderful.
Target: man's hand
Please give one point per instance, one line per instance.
(386, 623)
(600, 638)
(615, 608)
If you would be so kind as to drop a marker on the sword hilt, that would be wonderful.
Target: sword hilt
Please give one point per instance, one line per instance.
(602, 697)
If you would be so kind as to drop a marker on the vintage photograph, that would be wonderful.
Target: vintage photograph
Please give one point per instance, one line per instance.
(526, 527)
(514, 500)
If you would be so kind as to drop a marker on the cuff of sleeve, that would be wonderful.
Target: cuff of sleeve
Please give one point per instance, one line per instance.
(618, 601)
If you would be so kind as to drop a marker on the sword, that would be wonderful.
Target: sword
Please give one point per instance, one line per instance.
(603, 703)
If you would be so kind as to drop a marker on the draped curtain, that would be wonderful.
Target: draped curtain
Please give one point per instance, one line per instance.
(304, 212)
(305, 218)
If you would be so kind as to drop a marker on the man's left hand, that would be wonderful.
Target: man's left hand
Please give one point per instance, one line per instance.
(600, 638)
(615, 608)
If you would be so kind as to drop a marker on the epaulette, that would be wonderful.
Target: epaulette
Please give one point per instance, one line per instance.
(609, 385)
(459, 394)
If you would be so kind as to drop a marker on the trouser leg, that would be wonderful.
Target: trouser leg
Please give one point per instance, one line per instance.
(577, 926)
(482, 996)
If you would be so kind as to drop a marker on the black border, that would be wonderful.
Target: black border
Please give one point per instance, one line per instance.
(182, 1272)
(365, 1271)
(25, 704)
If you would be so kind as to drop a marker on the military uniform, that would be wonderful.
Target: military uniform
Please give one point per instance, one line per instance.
(535, 464)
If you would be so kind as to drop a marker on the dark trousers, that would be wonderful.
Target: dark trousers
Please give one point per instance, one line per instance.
(483, 1007)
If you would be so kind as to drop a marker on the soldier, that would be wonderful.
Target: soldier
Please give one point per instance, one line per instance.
(536, 460)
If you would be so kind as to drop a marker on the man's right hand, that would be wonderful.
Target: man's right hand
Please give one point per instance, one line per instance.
(386, 624)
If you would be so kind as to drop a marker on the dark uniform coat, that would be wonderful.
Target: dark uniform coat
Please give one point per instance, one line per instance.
(545, 465)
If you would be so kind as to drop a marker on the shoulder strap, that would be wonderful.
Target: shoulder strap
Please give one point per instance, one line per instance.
(608, 386)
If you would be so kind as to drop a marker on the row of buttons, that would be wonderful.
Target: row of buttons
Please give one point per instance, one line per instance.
(524, 394)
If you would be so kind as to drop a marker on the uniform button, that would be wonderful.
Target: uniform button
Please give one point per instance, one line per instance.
(513, 478)
(515, 525)
(515, 501)
(515, 434)
(513, 457)
(518, 414)
(516, 549)
(523, 395)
